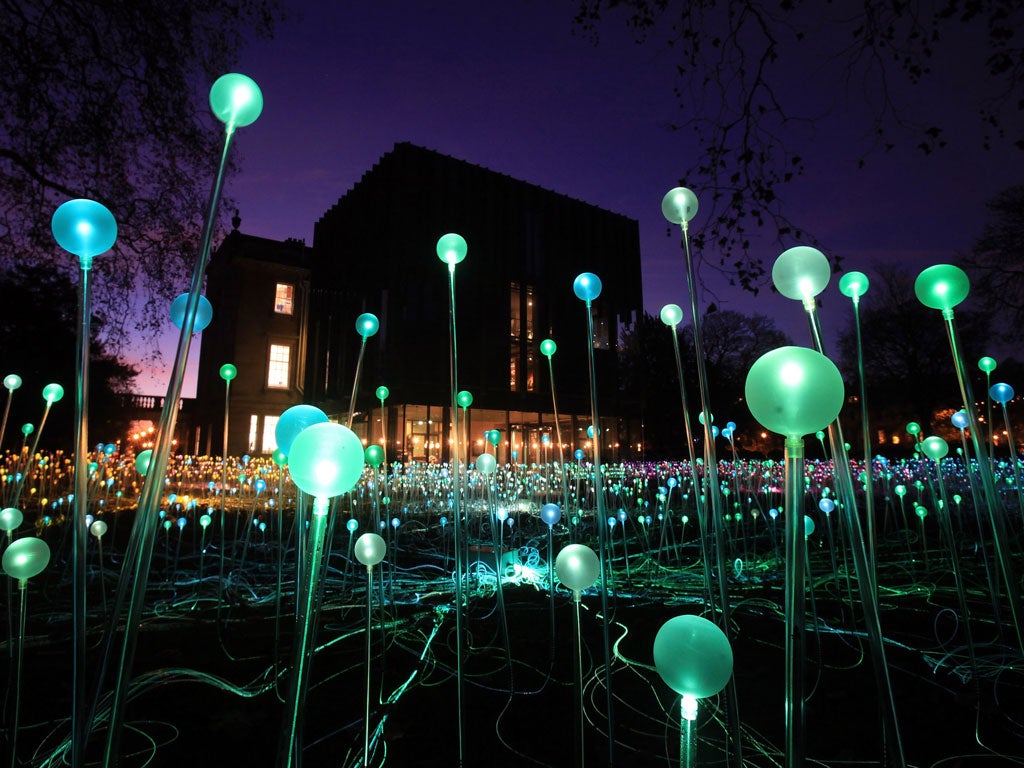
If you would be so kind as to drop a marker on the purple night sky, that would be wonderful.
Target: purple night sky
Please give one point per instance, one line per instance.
(516, 88)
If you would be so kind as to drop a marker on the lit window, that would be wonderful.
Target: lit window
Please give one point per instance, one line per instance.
(530, 372)
(529, 312)
(277, 368)
(513, 368)
(269, 434)
(283, 296)
(254, 424)
(514, 312)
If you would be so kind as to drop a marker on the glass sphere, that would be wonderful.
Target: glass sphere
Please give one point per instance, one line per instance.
(960, 419)
(52, 393)
(352, 525)
(204, 312)
(452, 249)
(25, 558)
(987, 364)
(10, 519)
(293, 421)
(205, 521)
(679, 205)
(1001, 393)
(801, 272)
(853, 285)
(942, 286)
(934, 447)
(99, 528)
(236, 100)
(794, 391)
(370, 549)
(808, 526)
(12, 381)
(693, 656)
(493, 436)
(587, 286)
(671, 315)
(27, 429)
(325, 459)
(367, 324)
(228, 372)
(577, 567)
(551, 513)
(464, 398)
(826, 506)
(382, 392)
(374, 455)
(913, 428)
(142, 461)
(279, 457)
(85, 228)
(486, 464)
(548, 347)
(578, 454)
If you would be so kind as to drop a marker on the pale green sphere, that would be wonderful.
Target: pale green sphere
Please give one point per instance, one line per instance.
(679, 205)
(934, 447)
(577, 567)
(486, 464)
(671, 315)
(326, 459)
(26, 557)
(236, 100)
(370, 549)
(693, 656)
(801, 272)
(794, 391)
(942, 286)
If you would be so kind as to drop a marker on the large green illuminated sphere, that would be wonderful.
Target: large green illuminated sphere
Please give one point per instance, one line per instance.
(367, 324)
(679, 205)
(236, 100)
(671, 315)
(794, 391)
(204, 312)
(464, 398)
(374, 455)
(142, 461)
(853, 285)
(577, 567)
(293, 421)
(587, 286)
(693, 656)
(25, 558)
(934, 447)
(987, 364)
(10, 519)
(383, 392)
(12, 381)
(326, 459)
(53, 393)
(913, 428)
(451, 248)
(942, 286)
(492, 436)
(801, 273)
(548, 347)
(228, 372)
(85, 228)
(370, 549)
(486, 464)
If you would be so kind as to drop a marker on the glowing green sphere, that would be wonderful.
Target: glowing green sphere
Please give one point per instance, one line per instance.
(451, 249)
(587, 286)
(808, 526)
(367, 324)
(205, 521)
(236, 100)
(374, 455)
(293, 421)
(370, 549)
(794, 391)
(548, 347)
(987, 364)
(326, 459)
(279, 457)
(913, 428)
(934, 447)
(486, 464)
(85, 228)
(671, 315)
(577, 567)
(464, 398)
(204, 312)
(12, 381)
(492, 436)
(142, 461)
(25, 558)
(801, 273)
(693, 656)
(383, 392)
(853, 285)
(52, 393)
(10, 519)
(98, 529)
(27, 429)
(228, 372)
(942, 286)
(679, 205)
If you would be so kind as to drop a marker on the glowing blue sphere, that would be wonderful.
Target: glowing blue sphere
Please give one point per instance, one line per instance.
(1001, 393)
(587, 286)
(85, 228)
(367, 324)
(550, 513)
(204, 312)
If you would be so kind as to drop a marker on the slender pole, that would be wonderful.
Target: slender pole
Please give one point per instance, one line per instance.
(369, 635)
(456, 514)
(578, 658)
(794, 602)
(869, 493)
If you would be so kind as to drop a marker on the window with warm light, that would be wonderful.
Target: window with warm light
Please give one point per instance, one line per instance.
(269, 434)
(254, 425)
(278, 365)
(284, 296)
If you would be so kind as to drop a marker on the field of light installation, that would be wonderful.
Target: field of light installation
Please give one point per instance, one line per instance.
(329, 607)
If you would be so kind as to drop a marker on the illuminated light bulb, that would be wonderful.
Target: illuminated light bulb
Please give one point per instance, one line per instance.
(671, 315)
(548, 347)
(942, 287)
(679, 205)
(236, 100)
(452, 249)
(587, 286)
(12, 381)
(367, 324)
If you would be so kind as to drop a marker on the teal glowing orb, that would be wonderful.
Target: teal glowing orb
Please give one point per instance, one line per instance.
(548, 348)
(492, 436)
(853, 285)
(587, 286)
(367, 324)
(942, 286)
(326, 459)
(370, 549)
(25, 558)
(12, 381)
(671, 315)
(85, 228)
(142, 461)
(794, 391)
(99, 528)
(204, 312)
(10, 519)
(236, 100)
(987, 364)
(52, 393)
(486, 464)
(801, 273)
(464, 398)
(693, 656)
(374, 455)
(679, 205)
(934, 447)
(383, 393)
(293, 421)
(452, 249)
(577, 567)
(228, 372)
(1001, 393)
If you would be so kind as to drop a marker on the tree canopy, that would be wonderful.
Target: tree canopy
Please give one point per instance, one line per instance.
(998, 261)
(744, 68)
(109, 101)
